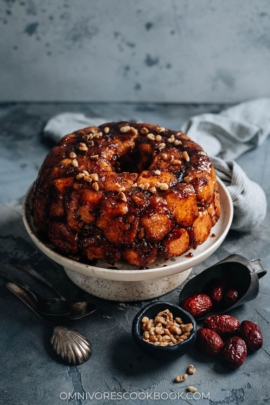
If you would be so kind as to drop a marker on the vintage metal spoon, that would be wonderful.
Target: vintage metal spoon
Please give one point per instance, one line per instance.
(78, 309)
(68, 343)
(50, 306)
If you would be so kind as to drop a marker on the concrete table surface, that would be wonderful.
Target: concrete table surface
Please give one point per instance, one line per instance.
(118, 372)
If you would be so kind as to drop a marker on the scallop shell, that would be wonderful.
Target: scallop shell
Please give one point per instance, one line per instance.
(70, 345)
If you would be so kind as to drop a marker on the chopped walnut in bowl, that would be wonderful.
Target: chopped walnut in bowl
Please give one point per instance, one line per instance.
(164, 330)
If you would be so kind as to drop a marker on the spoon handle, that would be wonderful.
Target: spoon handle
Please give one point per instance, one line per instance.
(27, 299)
(27, 268)
(14, 280)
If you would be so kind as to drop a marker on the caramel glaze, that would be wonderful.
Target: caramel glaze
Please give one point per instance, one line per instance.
(126, 191)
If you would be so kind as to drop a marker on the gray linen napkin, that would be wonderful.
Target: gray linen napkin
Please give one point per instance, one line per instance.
(228, 134)
(233, 131)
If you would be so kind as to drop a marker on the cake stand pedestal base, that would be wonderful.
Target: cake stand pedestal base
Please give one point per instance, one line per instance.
(127, 291)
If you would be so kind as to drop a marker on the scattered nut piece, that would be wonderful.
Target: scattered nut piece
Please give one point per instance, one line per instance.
(181, 378)
(146, 335)
(202, 153)
(94, 176)
(83, 147)
(144, 186)
(191, 389)
(176, 162)
(91, 143)
(174, 329)
(187, 179)
(133, 131)
(173, 339)
(106, 130)
(153, 338)
(88, 179)
(119, 187)
(184, 337)
(177, 142)
(186, 156)
(171, 139)
(157, 172)
(134, 185)
(147, 326)
(80, 176)
(95, 186)
(158, 138)
(153, 190)
(187, 327)
(151, 137)
(162, 146)
(122, 196)
(75, 163)
(72, 155)
(161, 129)
(86, 172)
(159, 330)
(98, 135)
(125, 129)
(160, 319)
(94, 157)
(191, 369)
(144, 131)
(163, 186)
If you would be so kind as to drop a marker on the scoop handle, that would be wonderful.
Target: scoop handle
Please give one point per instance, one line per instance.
(28, 269)
(26, 298)
(256, 264)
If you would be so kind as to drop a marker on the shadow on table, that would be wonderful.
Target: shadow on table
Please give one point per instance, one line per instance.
(127, 358)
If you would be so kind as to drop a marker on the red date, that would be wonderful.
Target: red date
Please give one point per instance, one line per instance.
(216, 291)
(252, 335)
(222, 324)
(209, 341)
(197, 304)
(231, 296)
(235, 352)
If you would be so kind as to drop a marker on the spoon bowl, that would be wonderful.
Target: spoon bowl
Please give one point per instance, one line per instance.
(53, 306)
(80, 309)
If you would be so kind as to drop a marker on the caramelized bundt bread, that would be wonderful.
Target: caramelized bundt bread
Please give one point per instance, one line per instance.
(126, 191)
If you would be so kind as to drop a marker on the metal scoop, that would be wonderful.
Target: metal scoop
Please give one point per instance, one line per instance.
(237, 271)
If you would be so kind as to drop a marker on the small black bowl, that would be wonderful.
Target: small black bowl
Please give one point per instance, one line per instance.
(163, 352)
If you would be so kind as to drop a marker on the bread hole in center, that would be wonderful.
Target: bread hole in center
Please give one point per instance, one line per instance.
(133, 162)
